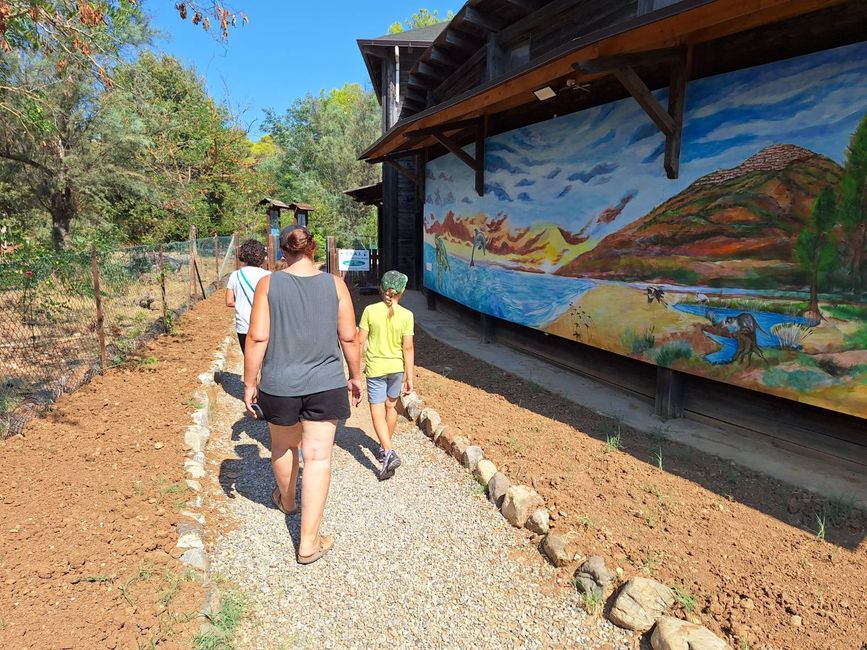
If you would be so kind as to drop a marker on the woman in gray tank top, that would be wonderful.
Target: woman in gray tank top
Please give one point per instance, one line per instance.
(301, 319)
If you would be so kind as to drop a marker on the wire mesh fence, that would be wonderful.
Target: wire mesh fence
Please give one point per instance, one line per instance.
(67, 316)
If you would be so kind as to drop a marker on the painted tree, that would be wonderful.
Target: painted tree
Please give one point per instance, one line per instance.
(815, 247)
(853, 208)
(421, 18)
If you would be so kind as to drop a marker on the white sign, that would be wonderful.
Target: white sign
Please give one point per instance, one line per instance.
(353, 260)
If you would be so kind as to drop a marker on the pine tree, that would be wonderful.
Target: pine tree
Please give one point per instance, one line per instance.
(815, 248)
(853, 192)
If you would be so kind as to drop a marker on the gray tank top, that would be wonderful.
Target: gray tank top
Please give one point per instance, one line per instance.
(303, 355)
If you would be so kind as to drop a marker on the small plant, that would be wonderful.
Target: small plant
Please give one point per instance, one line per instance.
(686, 599)
(225, 621)
(672, 351)
(592, 601)
(650, 520)
(650, 563)
(791, 335)
(515, 445)
(732, 475)
(638, 343)
(657, 457)
(477, 488)
(613, 443)
(148, 362)
(821, 521)
(110, 578)
(586, 522)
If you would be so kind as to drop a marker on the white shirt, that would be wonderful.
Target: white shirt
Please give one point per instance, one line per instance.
(239, 283)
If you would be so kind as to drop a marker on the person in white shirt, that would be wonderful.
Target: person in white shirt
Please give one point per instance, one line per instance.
(242, 285)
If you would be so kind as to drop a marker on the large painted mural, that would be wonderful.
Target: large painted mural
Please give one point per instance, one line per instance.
(748, 269)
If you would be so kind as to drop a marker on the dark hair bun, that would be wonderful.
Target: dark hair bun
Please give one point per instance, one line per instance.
(295, 240)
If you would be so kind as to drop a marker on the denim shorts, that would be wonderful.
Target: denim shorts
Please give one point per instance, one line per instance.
(380, 387)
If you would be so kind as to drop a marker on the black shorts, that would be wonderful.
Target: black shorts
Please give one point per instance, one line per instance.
(317, 407)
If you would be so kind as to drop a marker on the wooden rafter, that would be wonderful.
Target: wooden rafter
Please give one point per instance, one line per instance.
(669, 120)
(393, 162)
(476, 17)
(450, 136)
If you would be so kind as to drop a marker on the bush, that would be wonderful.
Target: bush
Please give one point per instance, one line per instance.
(791, 335)
(672, 351)
(638, 343)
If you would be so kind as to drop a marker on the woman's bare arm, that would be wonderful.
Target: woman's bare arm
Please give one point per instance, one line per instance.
(408, 364)
(347, 333)
(257, 340)
(230, 298)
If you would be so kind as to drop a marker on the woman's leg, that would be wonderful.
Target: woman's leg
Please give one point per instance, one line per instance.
(381, 426)
(284, 460)
(318, 441)
(391, 417)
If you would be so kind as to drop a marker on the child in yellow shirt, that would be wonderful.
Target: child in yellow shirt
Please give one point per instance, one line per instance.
(387, 328)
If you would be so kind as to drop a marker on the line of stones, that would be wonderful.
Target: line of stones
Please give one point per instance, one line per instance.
(640, 604)
(191, 529)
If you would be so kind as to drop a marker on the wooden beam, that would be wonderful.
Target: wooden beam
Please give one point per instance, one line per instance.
(639, 90)
(427, 70)
(495, 58)
(462, 71)
(544, 15)
(453, 146)
(438, 55)
(403, 171)
(611, 63)
(461, 40)
(443, 128)
(481, 134)
(697, 24)
(524, 6)
(680, 73)
(476, 17)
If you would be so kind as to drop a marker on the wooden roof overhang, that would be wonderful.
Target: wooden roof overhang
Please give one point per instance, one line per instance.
(366, 195)
(666, 37)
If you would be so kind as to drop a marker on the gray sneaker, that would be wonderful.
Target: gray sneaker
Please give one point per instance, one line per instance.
(389, 464)
(380, 454)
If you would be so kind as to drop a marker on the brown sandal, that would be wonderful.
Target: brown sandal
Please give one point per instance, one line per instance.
(326, 543)
(278, 502)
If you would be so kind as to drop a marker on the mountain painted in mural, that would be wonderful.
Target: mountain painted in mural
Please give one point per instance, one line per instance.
(732, 227)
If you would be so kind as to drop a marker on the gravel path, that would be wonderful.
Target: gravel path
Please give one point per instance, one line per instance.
(420, 561)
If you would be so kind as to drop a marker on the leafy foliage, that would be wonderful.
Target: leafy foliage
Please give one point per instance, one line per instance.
(815, 248)
(322, 137)
(853, 201)
(421, 18)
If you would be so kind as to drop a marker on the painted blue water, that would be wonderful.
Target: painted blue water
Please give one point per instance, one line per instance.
(531, 299)
(764, 337)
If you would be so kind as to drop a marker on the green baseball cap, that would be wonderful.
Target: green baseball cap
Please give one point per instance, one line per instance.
(394, 280)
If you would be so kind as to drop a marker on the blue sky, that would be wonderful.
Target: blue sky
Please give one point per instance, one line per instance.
(569, 169)
(289, 48)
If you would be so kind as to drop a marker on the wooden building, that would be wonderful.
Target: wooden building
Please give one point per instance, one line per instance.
(710, 127)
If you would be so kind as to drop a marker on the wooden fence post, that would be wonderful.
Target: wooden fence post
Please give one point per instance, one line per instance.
(163, 291)
(488, 328)
(669, 393)
(216, 261)
(237, 240)
(331, 264)
(192, 264)
(100, 317)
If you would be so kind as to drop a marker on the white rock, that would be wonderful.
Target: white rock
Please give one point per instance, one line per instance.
(520, 502)
(471, 457)
(190, 540)
(539, 521)
(484, 471)
(675, 634)
(639, 603)
(196, 558)
(561, 548)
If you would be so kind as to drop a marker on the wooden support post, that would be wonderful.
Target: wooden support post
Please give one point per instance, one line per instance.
(669, 393)
(331, 262)
(193, 270)
(216, 261)
(237, 237)
(488, 328)
(271, 252)
(680, 73)
(431, 300)
(163, 291)
(481, 134)
(100, 317)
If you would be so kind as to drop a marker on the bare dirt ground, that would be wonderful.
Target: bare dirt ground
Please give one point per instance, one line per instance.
(89, 497)
(741, 548)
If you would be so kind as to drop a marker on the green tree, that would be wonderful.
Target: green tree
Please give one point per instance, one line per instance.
(56, 140)
(853, 194)
(815, 247)
(321, 138)
(421, 18)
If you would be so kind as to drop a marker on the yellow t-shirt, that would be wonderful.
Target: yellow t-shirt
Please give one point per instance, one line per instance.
(384, 354)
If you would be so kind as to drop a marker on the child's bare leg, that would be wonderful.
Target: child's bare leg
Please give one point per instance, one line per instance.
(390, 417)
(381, 425)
